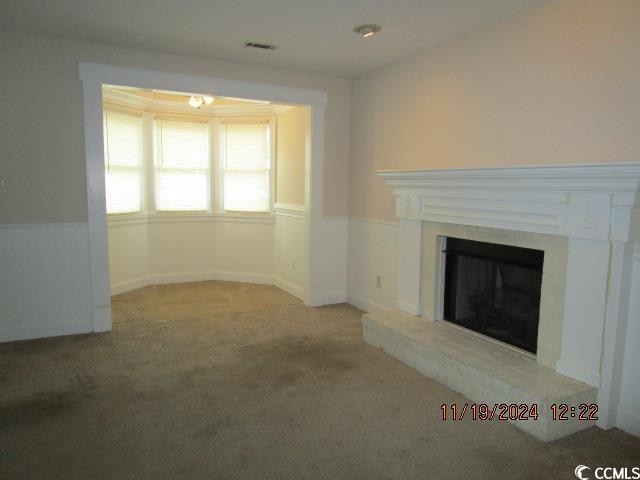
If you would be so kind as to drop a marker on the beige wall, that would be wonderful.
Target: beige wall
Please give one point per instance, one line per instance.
(41, 129)
(292, 132)
(557, 84)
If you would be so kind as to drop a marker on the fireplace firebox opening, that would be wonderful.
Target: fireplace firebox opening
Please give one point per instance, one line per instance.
(493, 290)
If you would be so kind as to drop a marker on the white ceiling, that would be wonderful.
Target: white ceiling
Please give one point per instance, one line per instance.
(312, 35)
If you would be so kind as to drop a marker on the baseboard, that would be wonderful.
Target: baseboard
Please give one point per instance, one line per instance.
(363, 303)
(629, 421)
(128, 285)
(184, 277)
(291, 288)
(224, 275)
(411, 308)
(30, 332)
(260, 278)
(330, 298)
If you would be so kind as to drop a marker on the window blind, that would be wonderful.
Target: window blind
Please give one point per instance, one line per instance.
(246, 166)
(182, 165)
(123, 162)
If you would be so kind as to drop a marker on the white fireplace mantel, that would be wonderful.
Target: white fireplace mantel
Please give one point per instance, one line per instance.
(591, 201)
(595, 206)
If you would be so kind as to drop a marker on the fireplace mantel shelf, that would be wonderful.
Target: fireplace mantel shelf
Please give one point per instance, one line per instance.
(577, 201)
(590, 177)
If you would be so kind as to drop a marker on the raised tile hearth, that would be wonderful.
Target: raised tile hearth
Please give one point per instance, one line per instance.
(480, 369)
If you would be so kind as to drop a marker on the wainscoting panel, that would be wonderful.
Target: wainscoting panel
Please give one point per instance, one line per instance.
(628, 415)
(290, 250)
(128, 253)
(44, 280)
(331, 284)
(179, 247)
(173, 250)
(245, 248)
(372, 256)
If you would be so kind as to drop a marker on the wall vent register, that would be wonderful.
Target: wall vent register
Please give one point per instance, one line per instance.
(260, 46)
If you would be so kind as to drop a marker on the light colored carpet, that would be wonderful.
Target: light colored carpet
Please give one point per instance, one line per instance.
(218, 380)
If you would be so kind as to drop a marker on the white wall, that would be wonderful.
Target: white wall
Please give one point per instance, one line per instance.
(290, 252)
(372, 253)
(246, 248)
(43, 281)
(181, 247)
(128, 253)
(331, 286)
(168, 250)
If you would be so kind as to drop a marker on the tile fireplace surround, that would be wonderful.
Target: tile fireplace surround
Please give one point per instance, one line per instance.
(587, 221)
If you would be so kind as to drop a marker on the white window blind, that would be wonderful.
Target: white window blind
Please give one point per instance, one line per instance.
(123, 162)
(246, 163)
(182, 165)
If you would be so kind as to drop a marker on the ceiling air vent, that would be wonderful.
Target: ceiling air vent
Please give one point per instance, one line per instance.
(261, 46)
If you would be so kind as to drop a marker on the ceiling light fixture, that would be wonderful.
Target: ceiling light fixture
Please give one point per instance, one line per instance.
(367, 30)
(196, 101)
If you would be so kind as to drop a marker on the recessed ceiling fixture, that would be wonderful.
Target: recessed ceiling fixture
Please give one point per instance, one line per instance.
(261, 46)
(196, 101)
(367, 30)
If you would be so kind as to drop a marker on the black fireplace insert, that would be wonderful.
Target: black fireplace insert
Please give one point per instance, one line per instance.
(494, 290)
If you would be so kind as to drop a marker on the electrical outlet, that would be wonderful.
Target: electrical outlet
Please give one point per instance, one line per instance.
(293, 264)
(378, 281)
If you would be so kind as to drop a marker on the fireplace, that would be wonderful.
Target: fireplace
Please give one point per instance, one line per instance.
(494, 290)
(583, 219)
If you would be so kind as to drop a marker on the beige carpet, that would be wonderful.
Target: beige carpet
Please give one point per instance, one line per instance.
(218, 380)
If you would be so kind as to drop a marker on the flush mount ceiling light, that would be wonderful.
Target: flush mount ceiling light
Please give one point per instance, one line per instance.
(367, 30)
(196, 101)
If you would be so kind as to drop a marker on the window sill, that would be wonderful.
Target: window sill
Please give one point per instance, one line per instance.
(126, 218)
(187, 217)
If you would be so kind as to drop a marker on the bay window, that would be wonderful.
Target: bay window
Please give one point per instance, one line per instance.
(171, 160)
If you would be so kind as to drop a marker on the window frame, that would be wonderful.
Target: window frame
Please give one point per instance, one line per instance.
(217, 129)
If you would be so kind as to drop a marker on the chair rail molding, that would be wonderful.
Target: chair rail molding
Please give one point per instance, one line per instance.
(595, 206)
(288, 210)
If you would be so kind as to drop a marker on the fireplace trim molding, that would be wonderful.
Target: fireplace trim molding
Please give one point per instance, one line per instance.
(595, 206)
